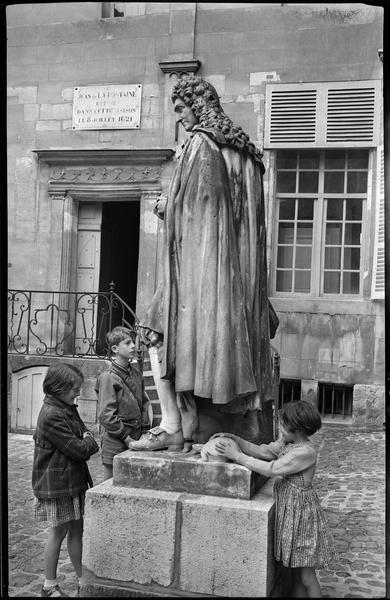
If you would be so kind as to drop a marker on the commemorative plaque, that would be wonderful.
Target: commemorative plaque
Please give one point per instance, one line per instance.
(107, 107)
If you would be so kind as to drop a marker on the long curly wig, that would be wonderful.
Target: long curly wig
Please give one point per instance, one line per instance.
(202, 98)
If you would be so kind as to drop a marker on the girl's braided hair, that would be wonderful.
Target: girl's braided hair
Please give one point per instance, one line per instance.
(202, 98)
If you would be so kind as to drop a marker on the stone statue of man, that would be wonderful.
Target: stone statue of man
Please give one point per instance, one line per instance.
(209, 318)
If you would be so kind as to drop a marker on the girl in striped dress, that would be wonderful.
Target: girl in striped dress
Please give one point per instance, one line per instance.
(302, 538)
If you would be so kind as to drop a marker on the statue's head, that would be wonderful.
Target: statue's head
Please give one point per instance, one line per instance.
(197, 102)
(198, 95)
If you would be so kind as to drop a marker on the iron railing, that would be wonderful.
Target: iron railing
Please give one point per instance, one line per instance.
(71, 324)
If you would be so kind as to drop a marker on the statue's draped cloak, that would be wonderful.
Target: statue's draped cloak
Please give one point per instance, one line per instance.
(212, 305)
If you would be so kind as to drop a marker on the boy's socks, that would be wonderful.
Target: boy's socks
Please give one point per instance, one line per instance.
(48, 583)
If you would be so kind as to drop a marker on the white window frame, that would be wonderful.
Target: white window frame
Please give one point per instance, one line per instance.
(318, 245)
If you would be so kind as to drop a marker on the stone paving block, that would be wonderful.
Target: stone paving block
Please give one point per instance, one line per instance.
(116, 519)
(226, 545)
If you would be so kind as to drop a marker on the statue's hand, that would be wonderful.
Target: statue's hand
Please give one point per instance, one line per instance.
(160, 205)
(150, 337)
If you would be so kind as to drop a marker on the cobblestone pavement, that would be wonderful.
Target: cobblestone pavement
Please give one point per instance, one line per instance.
(350, 481)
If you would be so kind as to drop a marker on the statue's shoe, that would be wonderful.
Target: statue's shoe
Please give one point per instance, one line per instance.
(158, 439)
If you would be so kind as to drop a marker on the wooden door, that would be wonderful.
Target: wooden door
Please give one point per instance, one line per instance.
(27, 397)
(87, 275)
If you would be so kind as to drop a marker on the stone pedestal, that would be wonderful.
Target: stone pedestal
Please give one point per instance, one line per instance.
(141, 540)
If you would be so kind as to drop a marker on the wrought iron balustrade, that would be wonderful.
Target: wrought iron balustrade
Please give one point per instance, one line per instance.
(72, 324)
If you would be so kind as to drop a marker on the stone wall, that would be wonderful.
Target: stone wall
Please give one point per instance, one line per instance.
(368, 407)
(242, 47)
(344, 347)
(53, 48)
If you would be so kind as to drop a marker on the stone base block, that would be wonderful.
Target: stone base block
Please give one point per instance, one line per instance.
(153, 542)
(184, 473)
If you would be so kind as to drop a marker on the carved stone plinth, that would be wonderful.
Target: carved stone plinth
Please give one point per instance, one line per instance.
(176, 472)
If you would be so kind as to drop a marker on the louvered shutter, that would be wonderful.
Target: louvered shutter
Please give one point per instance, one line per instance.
(322, 115)
(378, 273)
(293, 116)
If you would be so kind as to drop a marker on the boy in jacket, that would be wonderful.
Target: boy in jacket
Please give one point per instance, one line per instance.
(123, 404)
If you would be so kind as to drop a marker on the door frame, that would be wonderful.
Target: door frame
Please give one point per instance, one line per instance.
(105, 175)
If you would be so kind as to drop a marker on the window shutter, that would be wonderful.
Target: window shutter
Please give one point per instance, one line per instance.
(350, 115)
(378, 273)
(322, 115)
(293, 116)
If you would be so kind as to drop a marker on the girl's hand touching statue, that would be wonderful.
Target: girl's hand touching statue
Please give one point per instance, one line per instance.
(228, 447)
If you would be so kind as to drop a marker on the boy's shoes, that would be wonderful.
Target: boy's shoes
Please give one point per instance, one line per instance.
(53, 592)
(158, 439)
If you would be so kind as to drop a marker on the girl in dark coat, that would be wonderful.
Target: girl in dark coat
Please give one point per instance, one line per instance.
(60, 474)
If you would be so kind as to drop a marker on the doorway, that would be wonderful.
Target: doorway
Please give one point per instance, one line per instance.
(119, 251)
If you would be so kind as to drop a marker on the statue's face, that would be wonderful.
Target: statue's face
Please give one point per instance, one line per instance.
(184, 115)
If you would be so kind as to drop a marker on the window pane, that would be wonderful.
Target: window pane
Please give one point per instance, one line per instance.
(352, 233)
(308, 182)
(305, 209)
(304, 233)
(285, 256)
(352, 258)
(334, 211)
(303, 257)
(286, 233)
(287, 209)
(335, 159)
(302, 282)
(333, 234)
(283, 281)
(287, 159)
(309, 159)
(331, 282)
(286, 182)
(357, 182)
(332, 258)
(357, 159)
(350, 283)
(354, 210)
(334, 182)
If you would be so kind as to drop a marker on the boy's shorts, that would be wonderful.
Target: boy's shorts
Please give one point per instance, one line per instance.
(111, 446)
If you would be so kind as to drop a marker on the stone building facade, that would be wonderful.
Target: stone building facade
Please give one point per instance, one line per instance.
(305, 81)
